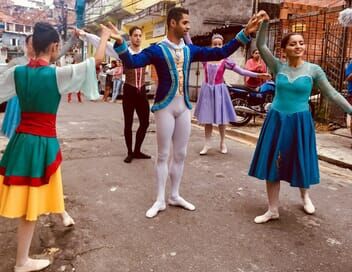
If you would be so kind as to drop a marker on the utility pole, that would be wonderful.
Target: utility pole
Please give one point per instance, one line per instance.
(63, 19)
(255, 6)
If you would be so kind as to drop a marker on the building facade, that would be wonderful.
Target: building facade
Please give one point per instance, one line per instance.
(17, 19)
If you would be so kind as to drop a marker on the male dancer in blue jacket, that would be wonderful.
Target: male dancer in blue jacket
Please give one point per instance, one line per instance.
(172, 108)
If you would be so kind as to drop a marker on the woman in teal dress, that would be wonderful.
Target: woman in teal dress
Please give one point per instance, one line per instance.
(286, 148)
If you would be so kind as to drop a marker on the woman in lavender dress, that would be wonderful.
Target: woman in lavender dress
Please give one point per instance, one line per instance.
(214, 104)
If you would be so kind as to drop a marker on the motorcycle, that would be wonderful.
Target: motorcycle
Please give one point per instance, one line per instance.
(249, 103)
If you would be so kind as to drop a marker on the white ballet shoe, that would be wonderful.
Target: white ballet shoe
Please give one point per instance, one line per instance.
(157, 207)
(205, 150)
(181, 202)
(223, 148)
(33, 265)
(269, 215)
(308, 206)
(67, 220)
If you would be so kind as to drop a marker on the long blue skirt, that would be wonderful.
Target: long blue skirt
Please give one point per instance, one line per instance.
(12, 117)
(286, 150)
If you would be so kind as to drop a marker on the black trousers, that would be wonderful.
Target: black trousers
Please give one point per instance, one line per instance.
(135, 100)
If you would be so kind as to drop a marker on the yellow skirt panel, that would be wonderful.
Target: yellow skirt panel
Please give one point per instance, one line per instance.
(30, 202)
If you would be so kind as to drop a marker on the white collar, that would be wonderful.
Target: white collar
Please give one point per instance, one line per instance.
(172, 45)
(134, 52)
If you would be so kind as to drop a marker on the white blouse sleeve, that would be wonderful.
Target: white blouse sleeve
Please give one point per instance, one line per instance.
(7, 83)
(78, 77)
(95, 40)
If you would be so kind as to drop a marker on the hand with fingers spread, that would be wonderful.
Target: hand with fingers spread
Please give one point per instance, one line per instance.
(263, 16)
(115, 33)
(252, 25)
(104, 36)
(105, 32)
(80, 32)
(254, 22)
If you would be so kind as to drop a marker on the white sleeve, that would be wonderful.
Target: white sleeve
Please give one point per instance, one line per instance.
(110, 72)
(7, 83)
(78, 77)
(16, 61)
(3, 68)
(95, 40)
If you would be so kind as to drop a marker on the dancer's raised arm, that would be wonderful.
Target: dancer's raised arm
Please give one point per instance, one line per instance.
(67, 45)
(216, 53)
(67, 76)
(95, 40)
(271, 61)
(130, 61)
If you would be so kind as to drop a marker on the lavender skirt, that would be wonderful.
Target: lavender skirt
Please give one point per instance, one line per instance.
(214, 105)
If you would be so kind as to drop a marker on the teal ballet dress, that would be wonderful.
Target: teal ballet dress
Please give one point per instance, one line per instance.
(286, 148)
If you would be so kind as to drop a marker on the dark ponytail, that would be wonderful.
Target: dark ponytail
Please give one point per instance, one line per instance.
(44, 34)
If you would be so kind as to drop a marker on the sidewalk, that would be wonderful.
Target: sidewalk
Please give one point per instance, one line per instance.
(333, 147)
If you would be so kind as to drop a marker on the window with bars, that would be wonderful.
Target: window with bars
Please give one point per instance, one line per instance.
(19, 28)
(9, 27)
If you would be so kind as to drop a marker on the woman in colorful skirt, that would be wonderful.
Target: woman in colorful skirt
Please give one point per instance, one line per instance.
(30, 175)
(12, 112)
(286, 148)
(214, 104)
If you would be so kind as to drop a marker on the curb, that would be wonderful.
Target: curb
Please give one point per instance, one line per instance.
(335, 162)
(252, 138)
(235, 133)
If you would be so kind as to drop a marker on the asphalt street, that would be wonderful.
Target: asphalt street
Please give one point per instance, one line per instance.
(108, 200)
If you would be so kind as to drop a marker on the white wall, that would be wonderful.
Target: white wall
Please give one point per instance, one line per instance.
(219, 10)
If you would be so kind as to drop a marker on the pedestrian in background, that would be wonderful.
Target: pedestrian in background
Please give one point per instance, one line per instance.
(257, 65)
(117, 80)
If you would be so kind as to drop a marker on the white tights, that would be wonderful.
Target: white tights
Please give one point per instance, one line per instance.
(208, 129)
(173, 127)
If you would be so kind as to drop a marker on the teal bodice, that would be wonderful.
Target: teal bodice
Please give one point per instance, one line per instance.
(37, 95)
(293, 87)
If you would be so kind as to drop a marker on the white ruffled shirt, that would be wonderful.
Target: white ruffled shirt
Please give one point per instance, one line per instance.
(177, 53)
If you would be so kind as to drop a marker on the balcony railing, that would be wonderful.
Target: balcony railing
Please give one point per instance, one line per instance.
(98, 8)
(159, 9)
